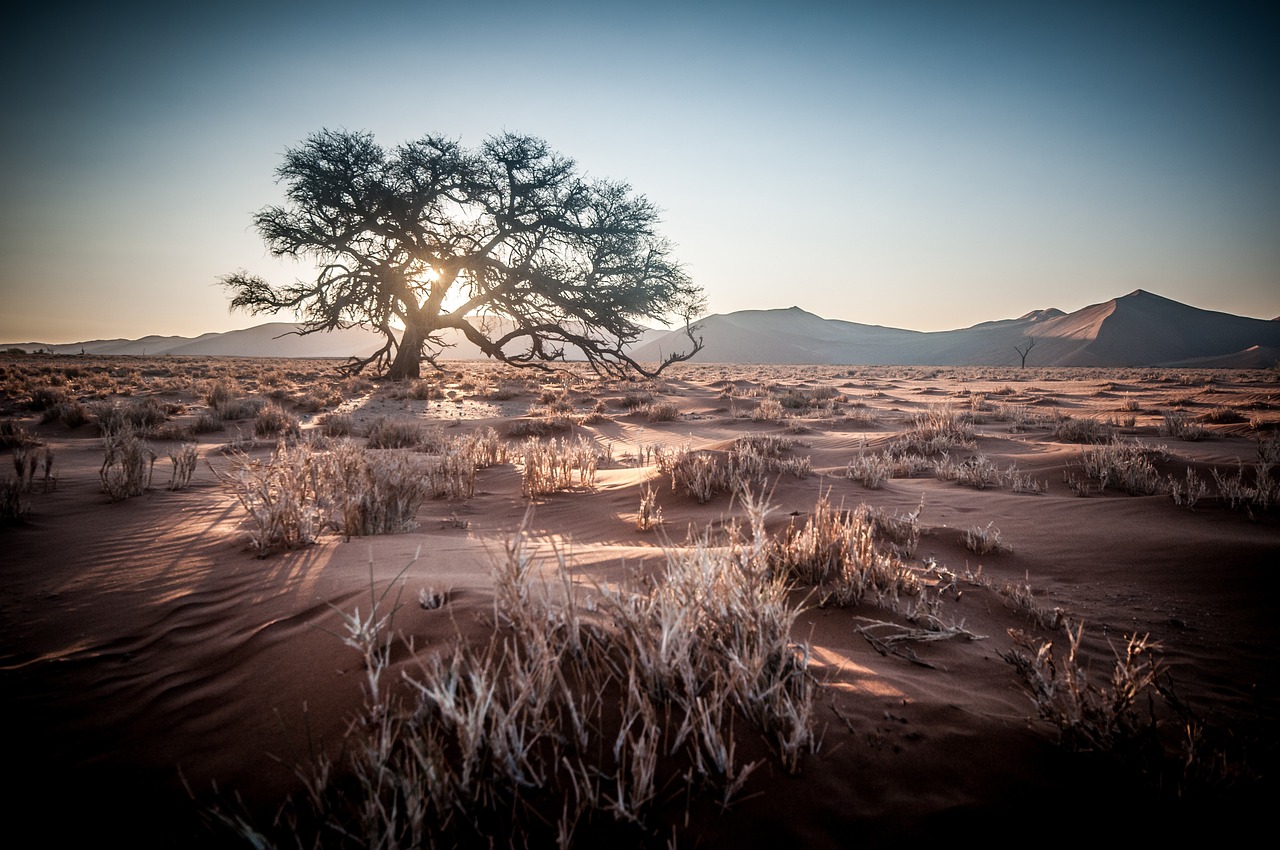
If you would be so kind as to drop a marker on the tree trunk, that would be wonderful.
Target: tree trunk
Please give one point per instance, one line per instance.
(408, 361)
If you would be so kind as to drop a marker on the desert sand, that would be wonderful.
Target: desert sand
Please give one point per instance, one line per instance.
(155, 668)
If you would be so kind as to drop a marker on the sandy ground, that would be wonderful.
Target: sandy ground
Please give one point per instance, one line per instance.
(147, 655)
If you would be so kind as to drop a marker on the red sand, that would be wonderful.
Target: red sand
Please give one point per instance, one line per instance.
(142, 645)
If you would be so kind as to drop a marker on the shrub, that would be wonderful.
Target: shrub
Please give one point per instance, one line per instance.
(127, 464)
(1224, 416)
(27, 461)
(371, 492)
(870, 470)
(337, 425)
(983, 541)
(551, 465)
(935, 430)
(138, 415)
(11, 507)
(1180, 426)
(769, 410)
(695, 659)
(1126, 466)
(1089, 716)
(274, 421)
(650, 514)
(239, 408)
(662, 412)
(1086, 430)
(391, 433)
(184, 465)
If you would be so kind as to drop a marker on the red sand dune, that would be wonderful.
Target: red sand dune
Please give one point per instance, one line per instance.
(143, 646)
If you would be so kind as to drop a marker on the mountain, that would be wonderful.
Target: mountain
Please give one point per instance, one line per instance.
(1138, 329)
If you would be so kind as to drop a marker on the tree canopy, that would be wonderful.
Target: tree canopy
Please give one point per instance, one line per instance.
(507, 243)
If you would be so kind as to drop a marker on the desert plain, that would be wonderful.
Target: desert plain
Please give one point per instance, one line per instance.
(173, 669)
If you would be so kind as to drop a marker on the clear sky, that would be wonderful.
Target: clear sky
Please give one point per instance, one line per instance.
(925, 165)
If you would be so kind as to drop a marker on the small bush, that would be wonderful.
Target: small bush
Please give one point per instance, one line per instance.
(1224, 416)
(391, 433)
(769, 410)
(337, 425)
(1180, 426)
(11, 507)
(661, 412)
(184, 465)
(1086, 430)
(127, 464)
(984, 540)
(551, 465)
(274, 421)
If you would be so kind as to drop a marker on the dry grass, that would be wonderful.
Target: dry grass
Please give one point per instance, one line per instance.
(184, 459)
(570, 717)
(127, 464)
(1123, 465)
(556, 464)
(984, 540)
(940, 428)
(1100, 717)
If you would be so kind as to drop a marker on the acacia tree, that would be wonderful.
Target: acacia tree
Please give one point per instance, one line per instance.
(507, 244)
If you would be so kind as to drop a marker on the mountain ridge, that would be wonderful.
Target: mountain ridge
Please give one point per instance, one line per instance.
(1137, 329)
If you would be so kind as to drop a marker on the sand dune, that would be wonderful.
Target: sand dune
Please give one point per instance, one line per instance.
(1138, 329)
(144, 646)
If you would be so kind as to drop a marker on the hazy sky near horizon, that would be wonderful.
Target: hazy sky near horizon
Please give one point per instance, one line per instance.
(924, 165)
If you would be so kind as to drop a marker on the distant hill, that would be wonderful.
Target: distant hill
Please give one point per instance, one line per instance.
(1138, 329)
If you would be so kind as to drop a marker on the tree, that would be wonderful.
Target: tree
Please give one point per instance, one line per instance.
(507, 244)
(1025, 349)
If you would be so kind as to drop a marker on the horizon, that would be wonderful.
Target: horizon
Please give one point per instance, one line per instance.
(925, 167)
(1025, 313)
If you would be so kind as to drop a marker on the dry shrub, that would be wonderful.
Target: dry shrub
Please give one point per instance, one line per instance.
(752, 460)
(15, 434)
(769, 410)
(337, 425)
(1224, 416)
(29, 459)
(127, 464)
(11, 507)
(239, 408)
(539, 427)
(1082, 430)
(274, 421)
(871, 469)
(1099, 717)
(301, 491)
(661, 412)
(1189, 491)
(282, 497)
(938, 429)
(836, 550)
(558, 465)
(71, 413)
(583, 715)
(650, 515)
(370, 492)
(1019, 595)
(1125, 466)
(184, 460)
(138, 415)
(1180, 426)
(984, 540)
(387, 432)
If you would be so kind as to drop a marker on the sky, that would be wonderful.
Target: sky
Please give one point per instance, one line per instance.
(923, 165)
